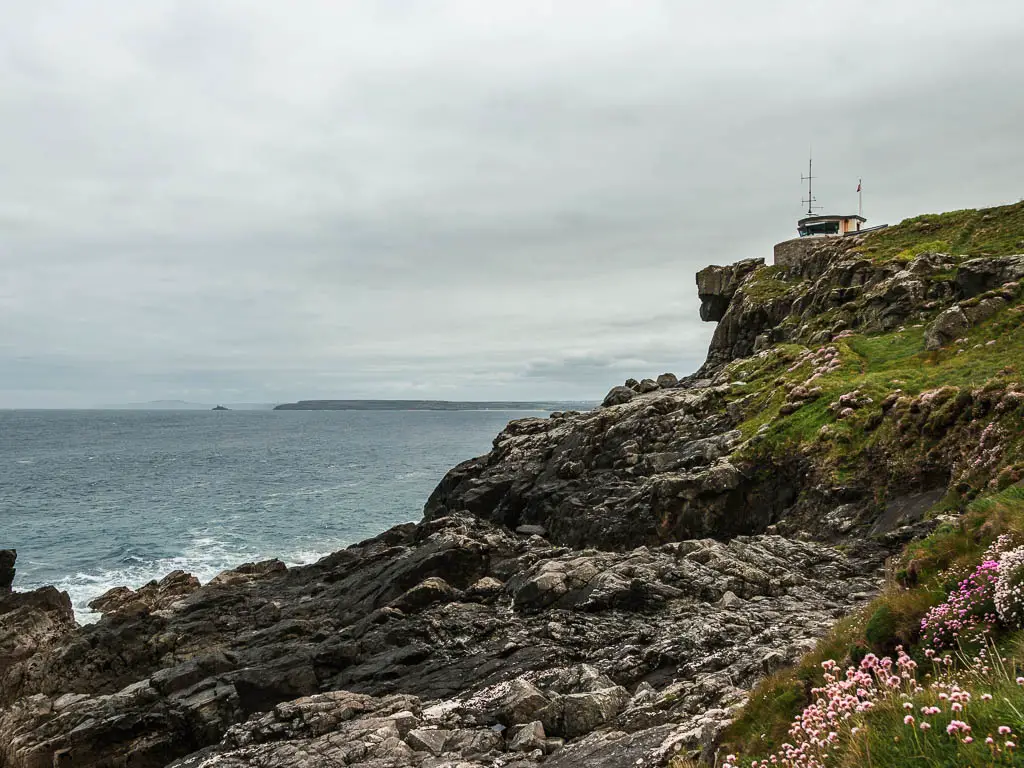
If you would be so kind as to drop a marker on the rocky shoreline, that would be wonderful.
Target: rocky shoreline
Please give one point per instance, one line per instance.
(450, 637)
(602, 587)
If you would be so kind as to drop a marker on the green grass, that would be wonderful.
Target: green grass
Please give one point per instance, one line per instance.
(885, 739)
(876, 366)
(983, 232)
(769, 283)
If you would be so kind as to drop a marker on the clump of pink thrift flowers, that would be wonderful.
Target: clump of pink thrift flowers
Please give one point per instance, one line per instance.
(968, 611)
(818, 730)
(1009, 594)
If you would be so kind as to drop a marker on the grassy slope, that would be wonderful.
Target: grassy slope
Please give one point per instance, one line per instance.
(965, 388)
(984, 232)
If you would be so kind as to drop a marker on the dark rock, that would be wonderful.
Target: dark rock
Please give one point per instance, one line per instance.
(248, 572)
(717, 285)
(154, 596)
(976, 276)
(517, 702)
(618, 395)
(667, 380)
(647, 385)
(527, 737)
(948, 326)
(583, 713)
(31, 624)
(429, 591)
(625, 489)
(7, 559)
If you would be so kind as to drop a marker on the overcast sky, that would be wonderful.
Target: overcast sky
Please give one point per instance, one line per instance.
(256, 200)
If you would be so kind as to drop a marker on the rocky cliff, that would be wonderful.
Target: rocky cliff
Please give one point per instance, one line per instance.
(601, 587)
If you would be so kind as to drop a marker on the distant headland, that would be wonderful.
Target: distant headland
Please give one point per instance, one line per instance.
(432, 405)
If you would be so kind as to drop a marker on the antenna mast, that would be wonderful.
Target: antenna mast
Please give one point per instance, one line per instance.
(811, 199)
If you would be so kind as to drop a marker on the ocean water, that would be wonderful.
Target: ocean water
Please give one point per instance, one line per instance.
(96, 499)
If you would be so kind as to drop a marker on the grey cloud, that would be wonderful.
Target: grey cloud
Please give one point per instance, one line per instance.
(449, 198)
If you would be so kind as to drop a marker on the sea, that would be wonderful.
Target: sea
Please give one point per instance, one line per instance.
(97, 499)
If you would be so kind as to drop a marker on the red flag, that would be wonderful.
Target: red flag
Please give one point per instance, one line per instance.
(858, 186)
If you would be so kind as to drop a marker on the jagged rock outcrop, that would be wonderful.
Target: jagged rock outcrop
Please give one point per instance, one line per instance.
(952, 323)
(454, 637)
(976, 276)
(834, 288)
(717, 285)
(652, 469)
(153, 596)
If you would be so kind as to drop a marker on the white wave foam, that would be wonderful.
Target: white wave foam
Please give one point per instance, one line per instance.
(204, 557)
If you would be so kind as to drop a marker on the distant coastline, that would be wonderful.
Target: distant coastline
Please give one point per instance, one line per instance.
(362, 405)
(184, 405)
(432, 405)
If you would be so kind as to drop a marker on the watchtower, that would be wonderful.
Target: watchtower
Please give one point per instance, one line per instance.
(828, 224)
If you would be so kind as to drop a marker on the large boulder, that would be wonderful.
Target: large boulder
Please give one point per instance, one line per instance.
(954, 322)
(667, 380)
(618, 396)
(586, 712)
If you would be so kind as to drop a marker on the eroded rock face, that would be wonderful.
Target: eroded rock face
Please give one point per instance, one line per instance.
(649, 470)
(832, 280)
(453, 638)
(717, 285)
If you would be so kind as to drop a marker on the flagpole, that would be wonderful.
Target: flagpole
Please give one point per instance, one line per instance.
(860, 197)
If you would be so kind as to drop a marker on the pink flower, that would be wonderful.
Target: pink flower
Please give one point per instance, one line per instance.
(908, 720)
(958, 726)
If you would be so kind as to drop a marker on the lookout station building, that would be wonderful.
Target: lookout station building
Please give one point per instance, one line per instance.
(829, 225)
